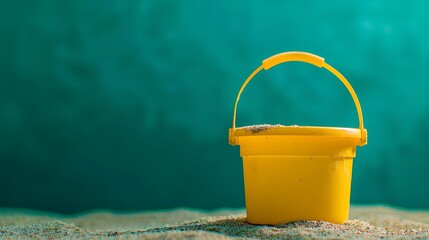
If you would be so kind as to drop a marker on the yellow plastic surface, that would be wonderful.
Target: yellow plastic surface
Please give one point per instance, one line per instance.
(298, 173)
(291, 57)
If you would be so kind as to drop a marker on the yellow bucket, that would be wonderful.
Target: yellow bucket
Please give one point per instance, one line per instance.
(294, 173)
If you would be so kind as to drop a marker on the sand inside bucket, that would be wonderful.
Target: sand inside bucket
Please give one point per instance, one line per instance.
(263, 127)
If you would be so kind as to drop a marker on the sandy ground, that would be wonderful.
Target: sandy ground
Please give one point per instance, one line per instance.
(365, 223)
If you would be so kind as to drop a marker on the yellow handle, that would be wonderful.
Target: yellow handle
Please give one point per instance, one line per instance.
(293, 57)
(311, 59)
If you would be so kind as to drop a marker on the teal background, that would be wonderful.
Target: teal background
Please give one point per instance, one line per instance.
(126, 105)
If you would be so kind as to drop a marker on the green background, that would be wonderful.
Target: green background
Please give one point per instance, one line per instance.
(126, 105)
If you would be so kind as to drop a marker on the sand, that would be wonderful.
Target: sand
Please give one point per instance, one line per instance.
(365, 223)
(260, 127)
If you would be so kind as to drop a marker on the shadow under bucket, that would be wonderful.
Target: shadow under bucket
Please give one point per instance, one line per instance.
(296, 173)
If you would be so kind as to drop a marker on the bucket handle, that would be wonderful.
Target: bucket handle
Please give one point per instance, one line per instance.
(311, 59)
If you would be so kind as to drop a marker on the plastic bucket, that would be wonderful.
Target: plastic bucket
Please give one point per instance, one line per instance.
(296, 173)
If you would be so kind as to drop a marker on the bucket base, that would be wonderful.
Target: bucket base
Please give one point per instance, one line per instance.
(282, 189)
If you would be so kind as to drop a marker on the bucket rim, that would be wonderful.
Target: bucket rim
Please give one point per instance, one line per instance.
(294, 130)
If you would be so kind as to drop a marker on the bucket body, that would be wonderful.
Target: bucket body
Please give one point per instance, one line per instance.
(291, 178)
